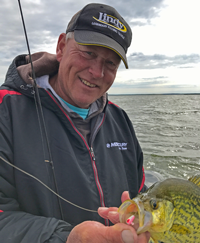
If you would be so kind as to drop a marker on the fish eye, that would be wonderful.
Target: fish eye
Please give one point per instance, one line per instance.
(154, 204)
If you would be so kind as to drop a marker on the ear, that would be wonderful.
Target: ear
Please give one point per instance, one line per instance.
(60, 46)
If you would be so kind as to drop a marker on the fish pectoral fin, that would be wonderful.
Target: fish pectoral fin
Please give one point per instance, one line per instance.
(180, 229)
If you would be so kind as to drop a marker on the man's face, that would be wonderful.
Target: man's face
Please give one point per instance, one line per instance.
(85, 72)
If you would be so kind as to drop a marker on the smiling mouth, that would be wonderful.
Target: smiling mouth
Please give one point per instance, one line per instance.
(88, 84)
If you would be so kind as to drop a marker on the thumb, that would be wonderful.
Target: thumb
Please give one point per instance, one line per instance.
(127, 234)
(121, 233)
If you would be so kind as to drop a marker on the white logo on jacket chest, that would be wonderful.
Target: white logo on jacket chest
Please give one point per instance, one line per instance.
(121, 146)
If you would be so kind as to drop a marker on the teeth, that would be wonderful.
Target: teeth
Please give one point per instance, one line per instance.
(87, 83)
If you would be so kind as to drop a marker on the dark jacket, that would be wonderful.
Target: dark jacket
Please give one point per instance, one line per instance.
(88, 175)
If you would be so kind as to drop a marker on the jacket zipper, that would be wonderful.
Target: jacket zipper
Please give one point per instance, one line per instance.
(96, 177)
(97, 182)
(92, 158)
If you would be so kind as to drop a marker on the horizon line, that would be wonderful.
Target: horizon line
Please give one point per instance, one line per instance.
(159, 94)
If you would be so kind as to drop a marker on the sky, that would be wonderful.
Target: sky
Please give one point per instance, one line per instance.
(164, 56)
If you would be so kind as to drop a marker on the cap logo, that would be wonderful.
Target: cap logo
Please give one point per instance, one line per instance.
(111, 21)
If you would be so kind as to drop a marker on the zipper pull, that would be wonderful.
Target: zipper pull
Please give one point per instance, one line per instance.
(92, 153)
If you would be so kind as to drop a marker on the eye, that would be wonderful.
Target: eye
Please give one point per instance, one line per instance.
(89, 53)
(86, 53)
(154, 204)
(111, 64)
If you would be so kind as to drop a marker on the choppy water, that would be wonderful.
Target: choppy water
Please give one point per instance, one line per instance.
(168, 129)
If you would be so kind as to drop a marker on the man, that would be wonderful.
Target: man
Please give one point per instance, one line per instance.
(77, 152)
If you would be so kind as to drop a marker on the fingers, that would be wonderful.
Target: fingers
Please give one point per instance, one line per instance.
(109, 213)
(113, 217)
(144, 237)
(125, 196)
(112, 212)
(104, 212)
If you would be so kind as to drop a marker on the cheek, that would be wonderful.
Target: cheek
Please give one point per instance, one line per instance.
(110, 77)
(109, 84)
(78, 60)
(66, 70)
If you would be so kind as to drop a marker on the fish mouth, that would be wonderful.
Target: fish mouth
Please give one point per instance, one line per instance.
(135, 207)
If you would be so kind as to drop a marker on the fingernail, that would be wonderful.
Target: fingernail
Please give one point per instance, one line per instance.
(102, 208)
(127, 236)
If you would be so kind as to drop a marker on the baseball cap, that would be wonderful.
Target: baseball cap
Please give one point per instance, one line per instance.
(101, 25)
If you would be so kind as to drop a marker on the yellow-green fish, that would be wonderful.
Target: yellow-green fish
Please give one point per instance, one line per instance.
(169, 210)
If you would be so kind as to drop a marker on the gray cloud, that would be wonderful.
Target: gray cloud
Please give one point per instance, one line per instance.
(138, 9)
(141, 61)
(46, 19)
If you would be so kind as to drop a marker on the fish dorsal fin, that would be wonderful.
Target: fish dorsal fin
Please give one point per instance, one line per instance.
(195, 179)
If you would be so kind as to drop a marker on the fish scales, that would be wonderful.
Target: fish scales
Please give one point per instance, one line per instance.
(169, 210)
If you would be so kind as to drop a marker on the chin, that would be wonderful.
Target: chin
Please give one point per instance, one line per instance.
(83, 103)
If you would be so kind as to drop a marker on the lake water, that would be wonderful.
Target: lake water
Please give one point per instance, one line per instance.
(168, 129)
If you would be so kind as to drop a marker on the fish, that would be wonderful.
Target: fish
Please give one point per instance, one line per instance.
(169, 210)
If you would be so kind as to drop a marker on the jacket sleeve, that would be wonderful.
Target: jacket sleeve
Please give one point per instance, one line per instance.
(20, 227)
(17, 226)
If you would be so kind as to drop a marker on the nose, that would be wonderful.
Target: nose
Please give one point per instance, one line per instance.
(97, 68)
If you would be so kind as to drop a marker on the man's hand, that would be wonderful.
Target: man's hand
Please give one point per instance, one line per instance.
(95, 232)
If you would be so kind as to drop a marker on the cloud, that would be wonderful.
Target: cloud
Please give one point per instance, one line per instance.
(141, 9)
(140, 61)
(46, 19)
(143, 82)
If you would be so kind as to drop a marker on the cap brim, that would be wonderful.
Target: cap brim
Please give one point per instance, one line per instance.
(84, 37)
